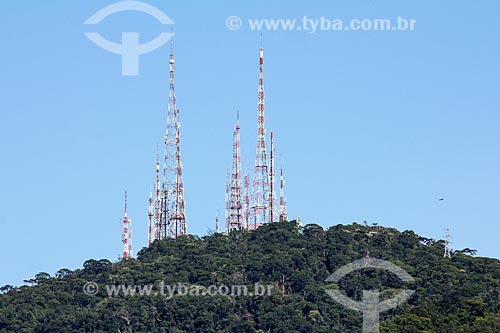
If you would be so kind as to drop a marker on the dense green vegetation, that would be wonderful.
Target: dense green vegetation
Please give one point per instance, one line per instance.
(459, 295)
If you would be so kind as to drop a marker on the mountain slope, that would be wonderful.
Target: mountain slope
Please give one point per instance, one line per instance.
(457, 295)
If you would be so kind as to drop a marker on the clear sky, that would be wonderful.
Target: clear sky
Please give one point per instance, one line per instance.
(372, 125)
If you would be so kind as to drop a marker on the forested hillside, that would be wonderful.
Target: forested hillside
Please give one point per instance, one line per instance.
(457, 295)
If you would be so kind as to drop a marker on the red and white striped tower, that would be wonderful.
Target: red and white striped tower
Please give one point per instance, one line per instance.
(246, 200)
(127, 233)
(235, 190)
(273, 202)
(260, 188)
(151, 215)
(172, 219)
(157, 201)
(283, 212)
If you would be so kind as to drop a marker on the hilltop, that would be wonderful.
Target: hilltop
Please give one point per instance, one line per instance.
(459, 295)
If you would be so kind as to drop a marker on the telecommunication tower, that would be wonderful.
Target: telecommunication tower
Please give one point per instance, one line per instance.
(151, 219)
(157, 200)
(169, 204)
(447, 242)
(246, 200)
(283, 212)
(235, 205)
(273, 202)
(217, 222)
(260, 188)
(228, 185)
(127, 233)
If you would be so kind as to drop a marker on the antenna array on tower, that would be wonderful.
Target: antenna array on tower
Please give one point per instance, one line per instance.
(243, 211)
(246, 200)
(273, 202)
(235, 207)
(260, 189)
(217, 221)
(246, 208)
(168, 207)
(127, 233)
(283, 211)
(447, 242)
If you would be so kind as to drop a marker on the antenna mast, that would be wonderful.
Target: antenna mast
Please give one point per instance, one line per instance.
(157, 200)
(447, 242)
(170, 215)
(246, 201)
(150, 219)
(260, 188)
(127, 233)
(283, 212)
(273, 202)
(228, 182)
(217, 222)
(235, 196)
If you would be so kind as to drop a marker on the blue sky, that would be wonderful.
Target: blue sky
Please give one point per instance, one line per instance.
(372, 125)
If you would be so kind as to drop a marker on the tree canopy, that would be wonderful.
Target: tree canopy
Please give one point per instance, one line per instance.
(458, 295)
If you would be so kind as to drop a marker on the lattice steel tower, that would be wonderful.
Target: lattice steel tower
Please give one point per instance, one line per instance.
(246, 200)
(151, 220)
(127, 233)
(157, 200)
(228, 186)
(447, 242)
(170, 216)
(217, 221)
(260, 189)
(236, 215)
(273, 200)
(283, 212)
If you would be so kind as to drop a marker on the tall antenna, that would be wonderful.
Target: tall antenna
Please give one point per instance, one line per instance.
(130, 253)
(273, 202)
(178, 216)
(127, 233)
(157, 200)
(283, 212)
(235, 191)
(217, 222)
(260, 188)
(447, 242)
(151, 214)
(172, 219)
(228, 185)
(246, 200)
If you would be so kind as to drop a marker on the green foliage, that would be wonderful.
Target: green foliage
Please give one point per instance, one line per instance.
(452, 295)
